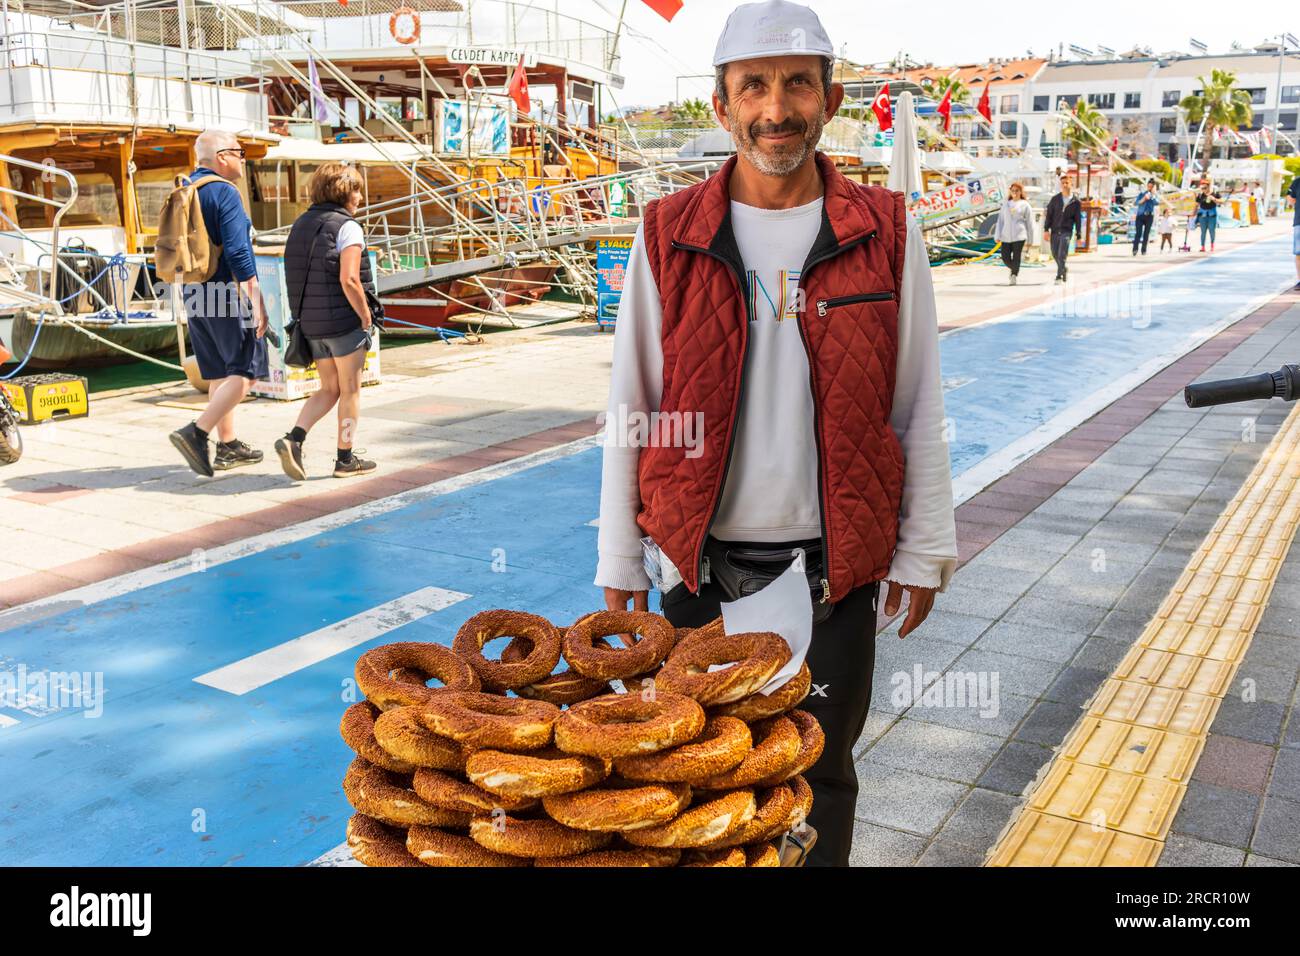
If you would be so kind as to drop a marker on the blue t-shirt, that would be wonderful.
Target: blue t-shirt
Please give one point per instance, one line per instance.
(1145, 207)
(228, 226)
(1295, 194)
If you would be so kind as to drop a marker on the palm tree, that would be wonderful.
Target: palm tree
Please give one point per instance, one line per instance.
(936, 87)
(1083, 127)
(694, 111)
(1219, 103)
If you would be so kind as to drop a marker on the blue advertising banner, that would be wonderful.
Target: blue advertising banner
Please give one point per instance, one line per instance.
(611, 266)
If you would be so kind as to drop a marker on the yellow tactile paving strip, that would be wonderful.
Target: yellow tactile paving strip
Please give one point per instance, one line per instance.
(1109, 795)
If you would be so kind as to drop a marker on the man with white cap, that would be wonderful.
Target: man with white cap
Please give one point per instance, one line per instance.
(789, 312)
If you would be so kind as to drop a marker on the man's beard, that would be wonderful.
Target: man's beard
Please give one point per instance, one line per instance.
(785, 158)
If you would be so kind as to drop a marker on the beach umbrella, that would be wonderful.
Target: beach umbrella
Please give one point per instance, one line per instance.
(905, 160)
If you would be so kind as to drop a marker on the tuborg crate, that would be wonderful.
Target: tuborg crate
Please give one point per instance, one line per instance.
(48, 398)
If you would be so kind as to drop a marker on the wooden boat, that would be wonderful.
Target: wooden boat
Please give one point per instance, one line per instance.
(60, 345)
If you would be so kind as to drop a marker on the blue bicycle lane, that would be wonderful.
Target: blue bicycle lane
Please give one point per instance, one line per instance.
(174, 771)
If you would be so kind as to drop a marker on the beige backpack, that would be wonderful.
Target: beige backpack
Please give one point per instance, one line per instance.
(183, 245)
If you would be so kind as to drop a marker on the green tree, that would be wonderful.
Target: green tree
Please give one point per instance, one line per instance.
(1219, 103)
(1082, 128)
(937, 87)
(694, 111)
(1158, 168)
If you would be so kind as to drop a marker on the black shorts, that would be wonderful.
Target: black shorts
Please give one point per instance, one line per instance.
(339, 346)
(227, 346)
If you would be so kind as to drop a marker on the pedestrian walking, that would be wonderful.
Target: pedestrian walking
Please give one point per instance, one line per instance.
(1062, 219)
(332, 295)
(1015, 227)
(1145, 210)
(225, 313)
(1166, 229)
(1294, 193)
(1207, 212)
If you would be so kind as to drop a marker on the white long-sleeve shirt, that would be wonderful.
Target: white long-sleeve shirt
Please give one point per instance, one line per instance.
(1015, 222)
(771, 488)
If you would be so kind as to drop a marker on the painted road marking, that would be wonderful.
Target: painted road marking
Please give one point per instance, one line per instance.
(6, 721)
(284, 659)
(1125, 765)
(62, 602)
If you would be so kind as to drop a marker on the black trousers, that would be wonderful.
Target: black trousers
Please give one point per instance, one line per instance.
(1142, 232)
(1060, 249)
(841, 659)
(1011, 255)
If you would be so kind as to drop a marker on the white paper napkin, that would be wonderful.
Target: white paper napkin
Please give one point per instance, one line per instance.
(785, 607)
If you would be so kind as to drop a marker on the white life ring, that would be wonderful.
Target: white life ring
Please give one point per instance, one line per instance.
(404, 32)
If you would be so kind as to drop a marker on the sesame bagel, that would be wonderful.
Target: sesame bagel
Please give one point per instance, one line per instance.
(772, 808)
(704, 823)
(401, 736)
(377, 844)
(388, 797)
(759, 706)
(616, 663)
(755, 657)
(721, 745)
(566, 687)
(479, 720)
(533, 838)
(536, 774)
(777, 745)
(619, 725)
(641, 856)
(732, 856)
(374, 670)
(435, 847)
(803, 802)
(441, 789)
(812, 740)
(620, 807)
(357, 728)
(762, 854)
(543, 636)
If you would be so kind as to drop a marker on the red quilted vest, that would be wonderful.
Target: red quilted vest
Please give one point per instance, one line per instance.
(850, 284)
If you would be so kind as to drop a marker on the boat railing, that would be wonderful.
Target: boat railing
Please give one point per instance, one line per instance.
(82, 75)
(49, 173)
(360, 25)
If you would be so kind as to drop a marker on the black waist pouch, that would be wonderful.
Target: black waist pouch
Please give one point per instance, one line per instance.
(743, 569)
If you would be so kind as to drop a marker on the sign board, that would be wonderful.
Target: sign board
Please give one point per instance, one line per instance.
(961, 200)
(612, 256)
(481, 131)
(490, 56)
(283, 381)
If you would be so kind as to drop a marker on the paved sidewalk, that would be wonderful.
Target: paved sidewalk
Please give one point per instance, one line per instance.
(105, 495)
(1066, 559)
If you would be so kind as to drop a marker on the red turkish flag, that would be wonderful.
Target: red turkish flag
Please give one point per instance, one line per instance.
(518, 88)
(665, 8)
(983, 106)
(944, 109)
(880, 106)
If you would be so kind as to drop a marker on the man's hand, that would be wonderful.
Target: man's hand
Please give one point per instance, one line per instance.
(616, 600)
(261, 323)
(919, 602)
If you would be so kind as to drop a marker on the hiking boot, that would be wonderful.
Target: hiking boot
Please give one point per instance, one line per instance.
(233, 454)
(193, 449)
(290, 453)
(353, 466)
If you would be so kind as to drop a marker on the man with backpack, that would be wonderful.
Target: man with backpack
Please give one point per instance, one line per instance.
(204, 244)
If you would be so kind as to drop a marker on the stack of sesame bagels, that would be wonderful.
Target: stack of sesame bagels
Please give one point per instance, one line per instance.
(635, 754)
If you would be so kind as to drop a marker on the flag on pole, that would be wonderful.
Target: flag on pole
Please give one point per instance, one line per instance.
(665, 8)
(322, 109)
(880, 106)
(984, 108)
(944, 109)
(518, 88)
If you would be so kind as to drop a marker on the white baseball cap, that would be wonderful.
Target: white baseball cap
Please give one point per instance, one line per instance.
(772, 28)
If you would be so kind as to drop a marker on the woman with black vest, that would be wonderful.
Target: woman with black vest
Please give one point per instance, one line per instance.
(330, 289)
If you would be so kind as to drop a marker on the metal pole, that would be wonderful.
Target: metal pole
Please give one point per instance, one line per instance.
(618, 32)
(1277, 111)
(183, 26)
